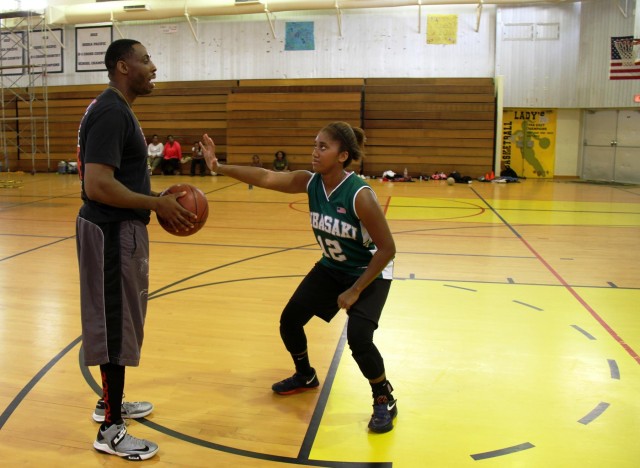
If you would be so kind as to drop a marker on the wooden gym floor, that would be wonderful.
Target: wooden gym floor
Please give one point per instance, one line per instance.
(511, 334)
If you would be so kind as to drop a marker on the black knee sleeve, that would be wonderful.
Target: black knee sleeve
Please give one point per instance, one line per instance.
(365, 353)
(292, 321)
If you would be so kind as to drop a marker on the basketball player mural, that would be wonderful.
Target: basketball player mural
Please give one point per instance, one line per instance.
(524, 140)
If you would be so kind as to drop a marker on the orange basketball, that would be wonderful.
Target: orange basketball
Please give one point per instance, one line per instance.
(195, 201)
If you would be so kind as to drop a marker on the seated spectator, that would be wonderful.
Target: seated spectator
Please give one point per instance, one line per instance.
(280, 162)
(155, 153)
(172, 157)
(197, 160)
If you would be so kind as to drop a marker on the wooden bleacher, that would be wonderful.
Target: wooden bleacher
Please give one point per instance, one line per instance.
(185, 110)
(429, 125)
(423, 124)
(266, 116)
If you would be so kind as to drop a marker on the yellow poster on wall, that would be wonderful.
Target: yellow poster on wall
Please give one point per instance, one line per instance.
(442, 29)
(529, 142)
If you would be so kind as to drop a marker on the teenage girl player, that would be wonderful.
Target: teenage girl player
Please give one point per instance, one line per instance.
(355, 270)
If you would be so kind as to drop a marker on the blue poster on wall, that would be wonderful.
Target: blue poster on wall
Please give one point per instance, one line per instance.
(299, 36)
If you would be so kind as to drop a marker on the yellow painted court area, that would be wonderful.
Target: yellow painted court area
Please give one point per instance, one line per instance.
(481, 368)
(474, 210)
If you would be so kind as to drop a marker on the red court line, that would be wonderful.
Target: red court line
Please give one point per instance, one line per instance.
(566, 285)
(593, 313)
(385, 207)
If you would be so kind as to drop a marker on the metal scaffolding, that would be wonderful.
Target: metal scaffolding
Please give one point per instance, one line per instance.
(24, 117)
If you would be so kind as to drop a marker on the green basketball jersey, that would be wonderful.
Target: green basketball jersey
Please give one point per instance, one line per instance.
(345, 243)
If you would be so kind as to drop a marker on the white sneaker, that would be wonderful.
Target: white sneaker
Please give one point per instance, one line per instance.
(114, 440)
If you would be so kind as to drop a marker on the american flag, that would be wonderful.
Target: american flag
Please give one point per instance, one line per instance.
(618, 69)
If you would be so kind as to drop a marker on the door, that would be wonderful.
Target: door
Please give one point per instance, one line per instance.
(611, 149)
(627, 164)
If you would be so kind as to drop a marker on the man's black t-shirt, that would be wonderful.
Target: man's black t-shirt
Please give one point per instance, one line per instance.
(110, 134)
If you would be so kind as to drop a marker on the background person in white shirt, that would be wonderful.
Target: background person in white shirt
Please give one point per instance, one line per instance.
(155, 152)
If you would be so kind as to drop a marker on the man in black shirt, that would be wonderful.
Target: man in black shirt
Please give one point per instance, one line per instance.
(113, 243)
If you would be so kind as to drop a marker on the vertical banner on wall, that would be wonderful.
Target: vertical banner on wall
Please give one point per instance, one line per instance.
(91, 45)
(529, 142)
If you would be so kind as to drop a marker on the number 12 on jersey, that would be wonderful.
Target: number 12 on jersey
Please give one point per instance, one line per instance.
(331, 249)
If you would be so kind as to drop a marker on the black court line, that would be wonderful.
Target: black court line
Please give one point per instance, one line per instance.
(503, 451)
(235, 262)
(594, 413)
(39, 199)
(203, 285)
(528, 305)
(613, 369)
(34, 236)
(6, 414)
(459, 287)
(36, 248)
(228, 245)
(584, 332)
(314, 424)
(232, 183)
